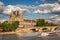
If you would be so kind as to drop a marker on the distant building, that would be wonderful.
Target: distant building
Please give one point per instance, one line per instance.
(17, 16)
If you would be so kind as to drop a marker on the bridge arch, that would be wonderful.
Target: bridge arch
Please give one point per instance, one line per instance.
(57, 28)
(33, 29)
(44, 29)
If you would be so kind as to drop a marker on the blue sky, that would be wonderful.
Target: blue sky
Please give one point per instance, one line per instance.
(26, 2)
(32, 9)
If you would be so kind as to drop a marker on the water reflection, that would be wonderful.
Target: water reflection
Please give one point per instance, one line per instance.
(36, 37)
(8, 37)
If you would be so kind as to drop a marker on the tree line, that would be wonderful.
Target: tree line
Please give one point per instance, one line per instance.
(42, 22)
(9, 26)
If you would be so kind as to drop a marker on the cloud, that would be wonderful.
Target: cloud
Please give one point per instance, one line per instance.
(1, 3)
(8, 9)
(54, 16)
(1, 6)
(47, 8)
(55, 19)
(42, 8)
(41, 12)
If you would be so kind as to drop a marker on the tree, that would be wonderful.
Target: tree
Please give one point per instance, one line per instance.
(15, 25)
(46, 24)
(4, 26)
(9, 27)
(40, 22)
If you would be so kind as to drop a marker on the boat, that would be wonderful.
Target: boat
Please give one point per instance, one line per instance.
(48, 34)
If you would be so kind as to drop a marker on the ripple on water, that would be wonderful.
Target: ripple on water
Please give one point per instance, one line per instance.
(15, 37)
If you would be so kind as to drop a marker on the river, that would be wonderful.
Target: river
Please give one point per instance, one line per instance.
(26, 37)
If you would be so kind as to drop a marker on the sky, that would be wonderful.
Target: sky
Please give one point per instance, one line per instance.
(32, 9)
(27, 2)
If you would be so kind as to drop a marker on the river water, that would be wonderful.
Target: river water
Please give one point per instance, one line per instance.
(27, 37)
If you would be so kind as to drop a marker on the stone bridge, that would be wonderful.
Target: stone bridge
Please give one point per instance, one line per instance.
(38, 29)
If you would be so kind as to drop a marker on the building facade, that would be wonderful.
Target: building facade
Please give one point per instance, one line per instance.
(17, 16)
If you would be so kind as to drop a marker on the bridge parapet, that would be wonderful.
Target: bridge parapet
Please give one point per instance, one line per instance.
(39, 29)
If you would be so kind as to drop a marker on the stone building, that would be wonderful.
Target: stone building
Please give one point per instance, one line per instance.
(17, 16)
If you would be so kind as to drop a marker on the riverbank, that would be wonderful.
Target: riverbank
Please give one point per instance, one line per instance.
(7, 32)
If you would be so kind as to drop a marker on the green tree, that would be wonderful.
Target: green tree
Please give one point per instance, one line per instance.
(14, 25)
(9, 26)
(4, 26)
(40, 22)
